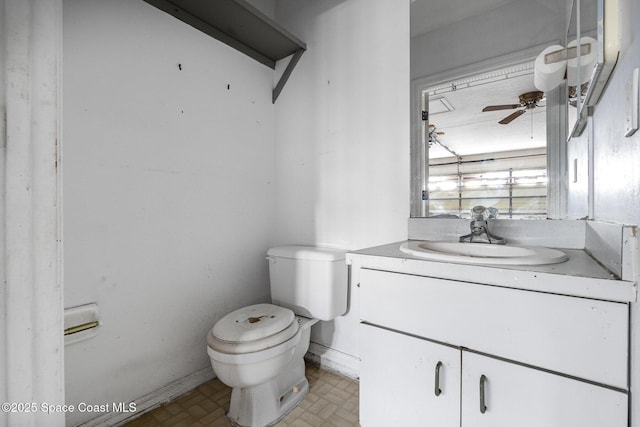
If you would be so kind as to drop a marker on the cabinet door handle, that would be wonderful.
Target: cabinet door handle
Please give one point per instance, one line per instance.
(437, 390)
(483, 406)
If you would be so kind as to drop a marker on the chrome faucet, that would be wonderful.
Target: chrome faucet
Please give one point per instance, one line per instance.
(480, 227)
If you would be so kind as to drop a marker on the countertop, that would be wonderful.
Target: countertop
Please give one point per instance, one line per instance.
(581, 275)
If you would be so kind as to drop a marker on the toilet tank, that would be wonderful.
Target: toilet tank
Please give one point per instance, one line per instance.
(311, 281)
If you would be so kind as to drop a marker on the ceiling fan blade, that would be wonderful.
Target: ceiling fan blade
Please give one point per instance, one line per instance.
(501, 107)
(511, 117)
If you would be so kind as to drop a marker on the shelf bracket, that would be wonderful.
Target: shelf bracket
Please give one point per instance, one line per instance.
(243, 27)
(285, 75)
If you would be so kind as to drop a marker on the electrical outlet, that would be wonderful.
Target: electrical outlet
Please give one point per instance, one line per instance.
(633, 99)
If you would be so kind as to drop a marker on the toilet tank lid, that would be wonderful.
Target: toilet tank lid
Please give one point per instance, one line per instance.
(314, 253)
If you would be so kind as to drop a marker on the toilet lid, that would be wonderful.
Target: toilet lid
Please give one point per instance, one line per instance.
(253, 328)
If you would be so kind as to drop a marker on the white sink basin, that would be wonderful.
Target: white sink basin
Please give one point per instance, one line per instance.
(483, 253)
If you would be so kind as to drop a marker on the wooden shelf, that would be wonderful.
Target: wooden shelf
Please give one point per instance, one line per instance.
(241, 26)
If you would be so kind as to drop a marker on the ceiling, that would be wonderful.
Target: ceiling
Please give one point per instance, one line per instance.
(429, 15)
(469, 131)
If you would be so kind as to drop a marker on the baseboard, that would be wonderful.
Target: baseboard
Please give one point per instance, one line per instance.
(334, 360)
(153, 399)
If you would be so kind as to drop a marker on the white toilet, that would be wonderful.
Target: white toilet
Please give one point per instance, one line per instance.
(258, 350)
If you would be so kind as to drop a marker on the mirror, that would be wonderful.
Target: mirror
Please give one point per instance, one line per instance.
(595, 24)
(453, 42)
(485, 144)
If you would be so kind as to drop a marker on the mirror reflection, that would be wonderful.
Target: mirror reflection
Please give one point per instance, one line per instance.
(485, 138)
(582, 26)
(480, 127)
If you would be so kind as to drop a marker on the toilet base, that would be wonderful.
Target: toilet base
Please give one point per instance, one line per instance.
(268, 403)
(264, 404)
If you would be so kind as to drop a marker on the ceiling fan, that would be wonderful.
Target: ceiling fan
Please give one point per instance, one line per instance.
(528, 100)
(433, 134)
(433, 139)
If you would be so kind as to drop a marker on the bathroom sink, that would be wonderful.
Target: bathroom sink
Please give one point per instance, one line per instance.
(483, 253)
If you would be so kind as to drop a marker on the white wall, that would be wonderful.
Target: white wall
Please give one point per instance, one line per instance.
(518, 25)
(169, 193)
(342, 134)
(615, 187)
(31, 302)
(3, 144)
(176, 185)
(578, 173)
(616, 171)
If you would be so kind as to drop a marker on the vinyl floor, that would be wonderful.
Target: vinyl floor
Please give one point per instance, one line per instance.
(332, 402)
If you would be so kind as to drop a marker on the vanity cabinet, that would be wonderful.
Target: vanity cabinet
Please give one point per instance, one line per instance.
(496, 393)
(531, 358)
(406, 380)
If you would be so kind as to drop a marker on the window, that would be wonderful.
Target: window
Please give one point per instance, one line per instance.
(514, 182)
(482, 140)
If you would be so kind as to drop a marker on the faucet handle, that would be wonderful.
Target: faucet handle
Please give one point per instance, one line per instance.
(480, 213)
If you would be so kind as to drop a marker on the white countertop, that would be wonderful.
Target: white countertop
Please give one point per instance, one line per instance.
(580, 275)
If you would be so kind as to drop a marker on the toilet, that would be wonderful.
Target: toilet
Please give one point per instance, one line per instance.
(259, 350)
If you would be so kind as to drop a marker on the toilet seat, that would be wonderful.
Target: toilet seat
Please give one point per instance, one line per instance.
(253, 328)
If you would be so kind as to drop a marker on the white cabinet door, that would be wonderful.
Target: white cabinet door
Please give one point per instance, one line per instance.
(519, 396)
(399, 375)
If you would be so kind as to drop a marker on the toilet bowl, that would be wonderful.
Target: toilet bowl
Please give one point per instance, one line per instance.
(259, 350)
(269, 382)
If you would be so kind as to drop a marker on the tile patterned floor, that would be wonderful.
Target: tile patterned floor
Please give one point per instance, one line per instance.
(332, 402)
